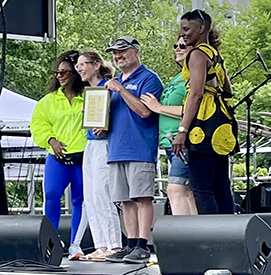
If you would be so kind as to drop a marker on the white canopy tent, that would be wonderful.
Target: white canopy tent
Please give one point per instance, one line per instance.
(15, 116)
(15, 107)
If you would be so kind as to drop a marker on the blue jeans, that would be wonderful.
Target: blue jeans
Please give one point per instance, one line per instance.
(179, 171)
(210, 183)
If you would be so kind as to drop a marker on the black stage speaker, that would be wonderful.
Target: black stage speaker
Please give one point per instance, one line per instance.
(33, 20)
(260, 198)
(29, 237)
(193, 244)
(266, 217)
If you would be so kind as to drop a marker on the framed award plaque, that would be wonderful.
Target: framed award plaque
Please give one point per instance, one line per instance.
(96, 108)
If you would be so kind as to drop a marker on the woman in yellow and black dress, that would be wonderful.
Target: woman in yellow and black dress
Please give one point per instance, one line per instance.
(207, 126)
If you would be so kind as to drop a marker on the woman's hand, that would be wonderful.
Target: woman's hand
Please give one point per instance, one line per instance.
(57, 146)
(178, 143)
(151, 102)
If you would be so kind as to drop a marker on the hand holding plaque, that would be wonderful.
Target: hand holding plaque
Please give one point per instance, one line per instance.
(96, 108)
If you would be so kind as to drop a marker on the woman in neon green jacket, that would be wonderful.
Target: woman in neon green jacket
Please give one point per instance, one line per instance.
(56, 126)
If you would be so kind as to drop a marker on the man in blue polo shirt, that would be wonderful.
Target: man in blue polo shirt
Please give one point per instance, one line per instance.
(133, 143)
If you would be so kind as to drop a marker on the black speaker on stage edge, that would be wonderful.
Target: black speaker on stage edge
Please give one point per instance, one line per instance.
(193, 244)
(260, 198)
(29, 237)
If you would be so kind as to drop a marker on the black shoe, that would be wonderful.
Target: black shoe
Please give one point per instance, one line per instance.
(118, 256)
(138, 256)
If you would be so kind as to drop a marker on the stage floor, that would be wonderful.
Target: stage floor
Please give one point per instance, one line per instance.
(94, 268)
(107, 268)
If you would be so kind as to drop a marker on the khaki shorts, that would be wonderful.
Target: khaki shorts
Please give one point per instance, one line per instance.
(131, 180)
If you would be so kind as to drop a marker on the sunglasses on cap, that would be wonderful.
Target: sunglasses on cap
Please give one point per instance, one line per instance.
(200, 15)
(123, 43)
(181, 46)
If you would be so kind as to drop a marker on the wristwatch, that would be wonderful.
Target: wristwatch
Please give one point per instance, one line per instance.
(181, 129)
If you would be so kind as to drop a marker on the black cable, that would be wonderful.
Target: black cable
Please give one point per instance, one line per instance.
(136, 270)
(4, 41)
(29, 265)
(56, 33)
(3, 203)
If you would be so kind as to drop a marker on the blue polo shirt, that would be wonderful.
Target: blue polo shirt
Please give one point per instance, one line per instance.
(132, 138)
(90, 135)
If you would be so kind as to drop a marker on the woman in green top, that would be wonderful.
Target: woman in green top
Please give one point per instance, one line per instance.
(170, 109)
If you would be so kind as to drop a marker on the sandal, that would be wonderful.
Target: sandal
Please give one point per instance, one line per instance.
(92, 255)
(101, 257)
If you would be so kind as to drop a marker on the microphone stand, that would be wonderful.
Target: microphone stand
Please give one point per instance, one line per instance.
(248, 65)
(248, 101)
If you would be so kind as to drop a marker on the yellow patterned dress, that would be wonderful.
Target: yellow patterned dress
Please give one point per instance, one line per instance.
(214, 129)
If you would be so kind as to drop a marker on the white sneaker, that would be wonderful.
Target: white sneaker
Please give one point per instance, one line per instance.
(75, 252)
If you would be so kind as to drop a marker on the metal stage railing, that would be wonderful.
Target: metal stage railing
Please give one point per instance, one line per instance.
(161, 180)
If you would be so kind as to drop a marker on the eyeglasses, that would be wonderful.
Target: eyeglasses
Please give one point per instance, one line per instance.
(123, 43)
(83, 63)
(181, 46)
(61, 73)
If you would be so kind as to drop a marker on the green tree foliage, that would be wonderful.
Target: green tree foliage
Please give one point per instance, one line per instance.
(153, 23)
(28, 66)
(91, 24)
(241, 41)
(239, 170)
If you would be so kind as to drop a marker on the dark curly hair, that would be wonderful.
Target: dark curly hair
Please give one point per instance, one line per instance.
(76, 84)
(214, 38)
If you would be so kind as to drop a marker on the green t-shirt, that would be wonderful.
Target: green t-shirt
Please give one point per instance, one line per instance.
(172, 95)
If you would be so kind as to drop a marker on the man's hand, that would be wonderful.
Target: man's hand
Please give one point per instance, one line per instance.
(57, 146)
(133, 102)
(113, 85)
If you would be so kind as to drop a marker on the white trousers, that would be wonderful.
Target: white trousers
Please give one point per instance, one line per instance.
(102, 214)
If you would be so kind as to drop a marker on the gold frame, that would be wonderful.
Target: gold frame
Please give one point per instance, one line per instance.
(96, 108)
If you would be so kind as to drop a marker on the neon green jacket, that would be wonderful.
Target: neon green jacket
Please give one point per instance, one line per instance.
(55, 117)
